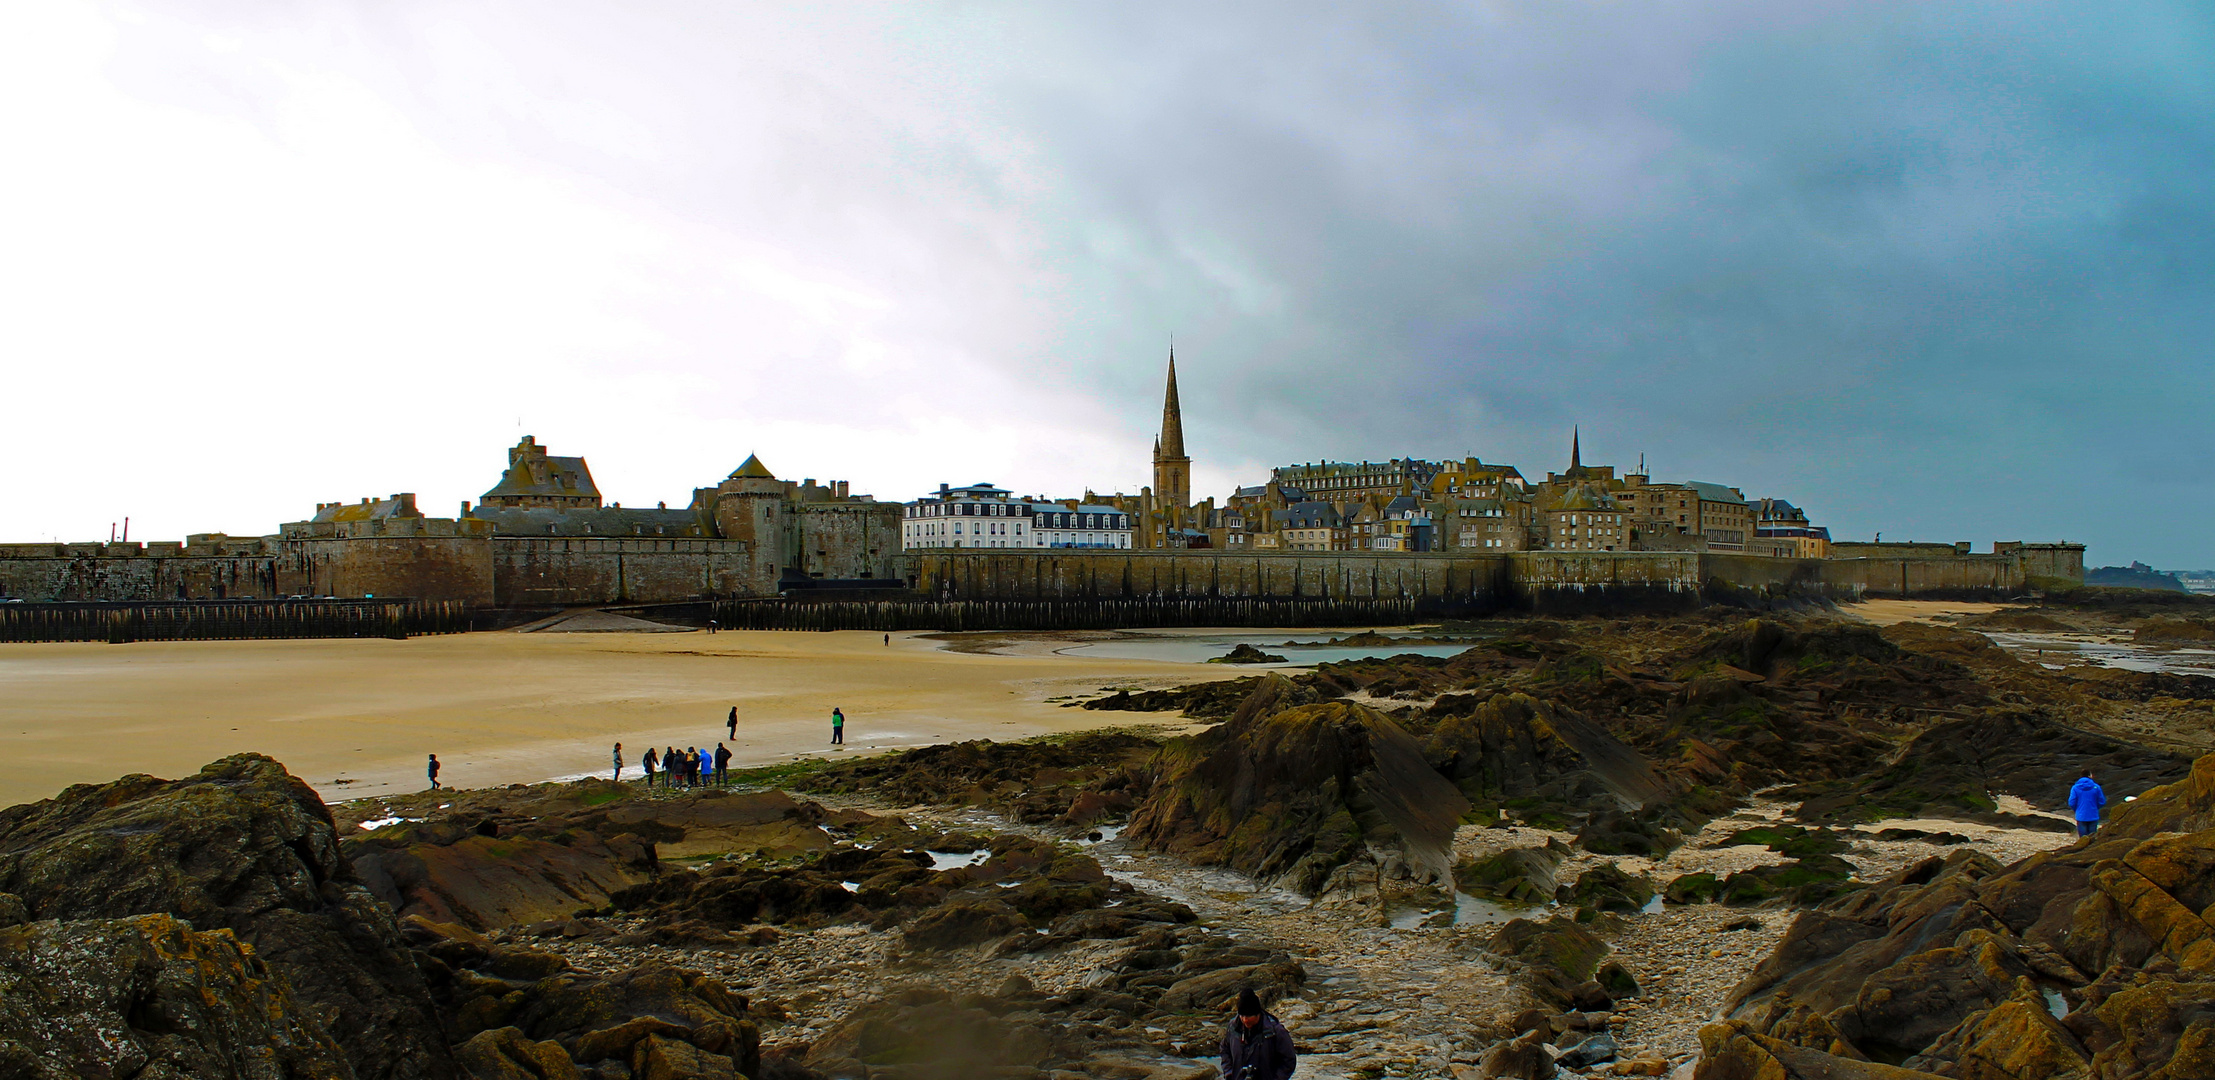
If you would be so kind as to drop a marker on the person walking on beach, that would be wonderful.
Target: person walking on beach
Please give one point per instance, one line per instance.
(732, 723)
(618, 763)
(1257, 1047)
(2086, 798)
(722, 764)
(433, 769)
(648, 763)
(888, 641)
(838, 728)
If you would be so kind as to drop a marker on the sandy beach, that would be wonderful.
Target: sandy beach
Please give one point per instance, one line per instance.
(356, 717)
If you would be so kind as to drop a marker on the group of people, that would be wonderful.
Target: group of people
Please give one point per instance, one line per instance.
(691, 767)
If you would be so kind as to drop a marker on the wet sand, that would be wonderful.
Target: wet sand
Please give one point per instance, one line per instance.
(509, 707)
(1888, 612)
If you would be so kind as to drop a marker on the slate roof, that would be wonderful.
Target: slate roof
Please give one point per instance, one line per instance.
(565, 477)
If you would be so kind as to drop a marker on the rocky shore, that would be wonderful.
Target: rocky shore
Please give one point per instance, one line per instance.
(1711, 848)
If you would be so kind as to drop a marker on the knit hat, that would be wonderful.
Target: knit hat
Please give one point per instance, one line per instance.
(1248, 1004)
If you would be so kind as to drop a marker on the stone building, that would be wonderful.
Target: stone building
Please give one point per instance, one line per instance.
(1484, 524)
(1583, 517)
(1348, 481)
(534, 479)
(1782, 530)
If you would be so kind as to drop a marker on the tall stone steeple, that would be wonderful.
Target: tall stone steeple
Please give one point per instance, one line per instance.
(1172, 418)
(1172, 469)
(1576, 449)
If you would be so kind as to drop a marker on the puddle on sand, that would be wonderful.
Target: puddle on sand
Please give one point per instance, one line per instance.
(2055, 1004)
(1467, 910)
(2115, 654)
(947, 860)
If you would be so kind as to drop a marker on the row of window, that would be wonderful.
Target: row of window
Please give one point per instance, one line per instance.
(1057, 519)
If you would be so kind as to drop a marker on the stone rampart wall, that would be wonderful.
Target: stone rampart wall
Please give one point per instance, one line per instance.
(50, 576)
(541, 571)
(533, 572)
(419, 567)
(1526, 580)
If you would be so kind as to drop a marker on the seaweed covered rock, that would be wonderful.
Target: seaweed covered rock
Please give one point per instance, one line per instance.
(1294, 794)
(1517, 875)
(2092, 960)
(1035, 782)
(246, 847)
(448, 874)
(1542, 761)
(1955, 768)
(1608, 888)
(1021, 883)
(150, 995)
(1557, 956)
(1243, 653)
(538, 1016)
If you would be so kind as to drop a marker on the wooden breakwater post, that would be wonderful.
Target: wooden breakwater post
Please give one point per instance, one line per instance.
(119, 622)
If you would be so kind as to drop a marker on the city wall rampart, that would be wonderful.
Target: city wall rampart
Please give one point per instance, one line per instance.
(531, 572)
(508, 571)
(134, 572)
(1527, 580)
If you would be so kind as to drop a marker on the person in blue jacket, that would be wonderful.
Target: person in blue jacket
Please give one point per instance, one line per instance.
(2086, 798)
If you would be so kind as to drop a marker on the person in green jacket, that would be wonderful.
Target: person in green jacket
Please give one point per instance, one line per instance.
(838, 728)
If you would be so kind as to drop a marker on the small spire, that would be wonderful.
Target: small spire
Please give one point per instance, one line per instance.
(1576, 449)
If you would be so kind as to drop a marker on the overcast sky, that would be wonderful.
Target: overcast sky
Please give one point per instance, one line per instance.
(1943, 271)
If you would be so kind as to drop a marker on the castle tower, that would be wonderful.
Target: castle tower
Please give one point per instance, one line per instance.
(1172, 469)
(750, 506)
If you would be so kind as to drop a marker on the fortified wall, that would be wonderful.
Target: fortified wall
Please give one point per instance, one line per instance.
(515, 571)
(1524, 580)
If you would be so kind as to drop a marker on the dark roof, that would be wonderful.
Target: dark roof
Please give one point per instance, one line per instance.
(564, 477)
(1309, 515)
(591, 521)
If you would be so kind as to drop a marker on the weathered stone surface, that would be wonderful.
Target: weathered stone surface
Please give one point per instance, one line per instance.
(1522, 1058)
(1516, 875)
(1531, 755)
(953, 925)
(150, 996)
(1732, 1051)
(2017, 1038)
(1295, 794)
(930, 1036)
(491, 882)
(507, 1054)
(241, 846)
(659, 1058)
(1958, 966)
(1558, 956)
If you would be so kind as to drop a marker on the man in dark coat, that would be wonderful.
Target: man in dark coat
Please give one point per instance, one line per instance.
(1256, 1047)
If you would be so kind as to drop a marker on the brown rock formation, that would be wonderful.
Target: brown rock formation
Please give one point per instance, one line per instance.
(1968, 970)
(148, 995)
(1295, 794)
(245, 847)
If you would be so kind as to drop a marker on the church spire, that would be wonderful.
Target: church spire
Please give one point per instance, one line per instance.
(1172, 417)
(1576, 449)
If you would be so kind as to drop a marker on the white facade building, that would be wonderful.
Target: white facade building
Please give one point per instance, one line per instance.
(1055, 525)
(984, 516)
